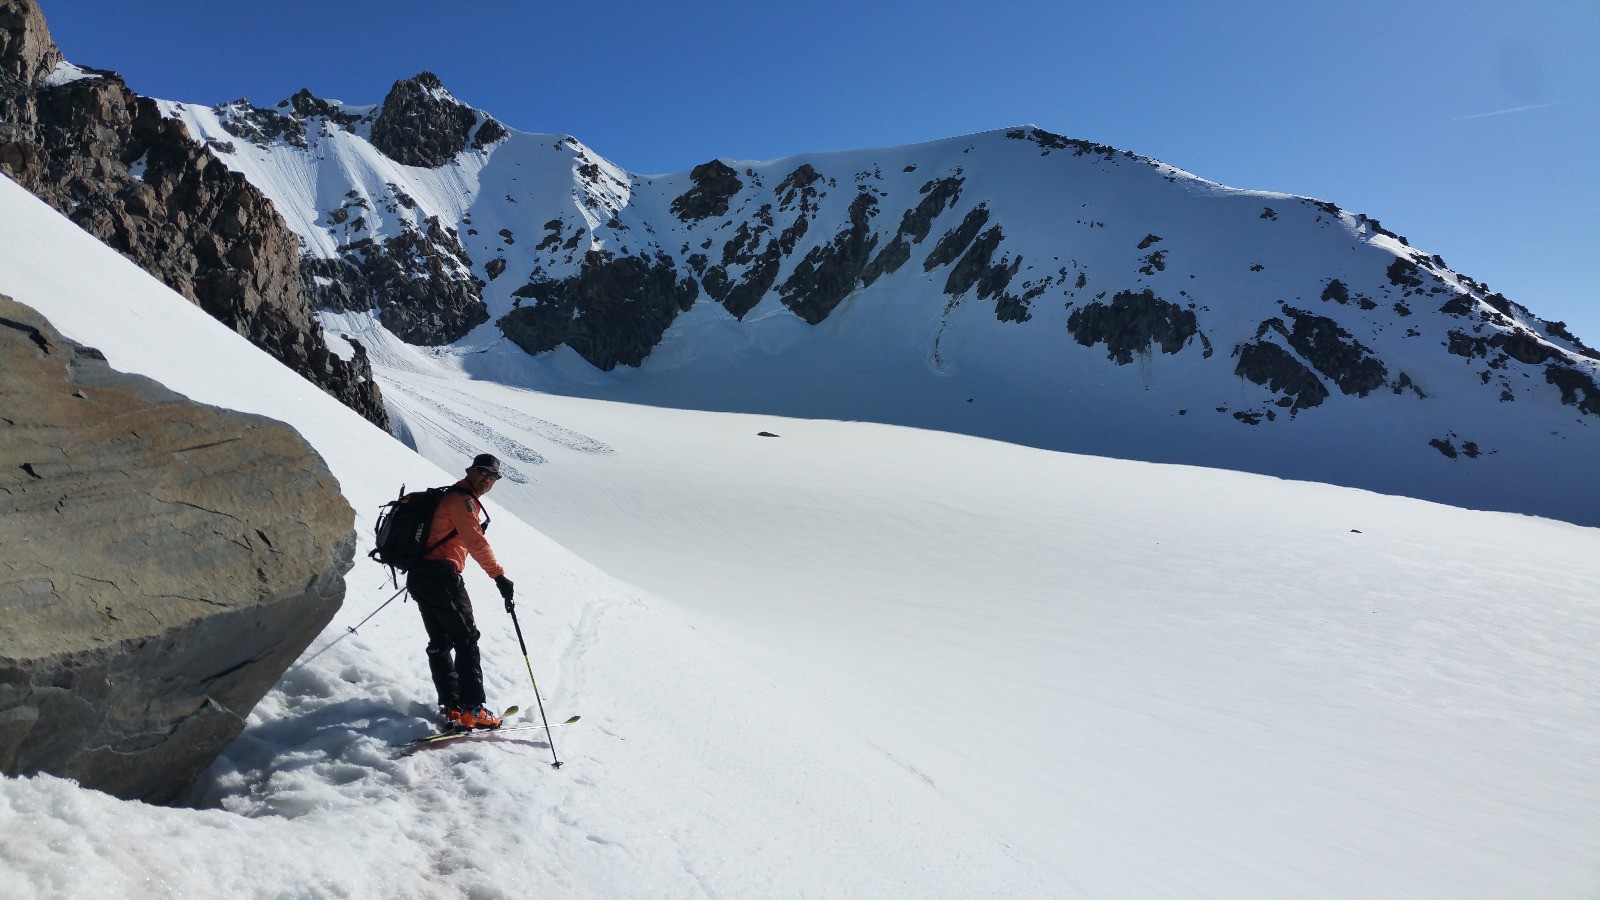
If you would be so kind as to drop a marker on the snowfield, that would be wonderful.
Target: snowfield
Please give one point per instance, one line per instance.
(859, 660)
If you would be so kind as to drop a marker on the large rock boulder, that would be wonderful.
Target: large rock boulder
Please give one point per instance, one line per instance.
(108, 160)
(162, 563)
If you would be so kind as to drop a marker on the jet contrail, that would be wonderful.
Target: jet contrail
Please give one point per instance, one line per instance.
(1502, 112)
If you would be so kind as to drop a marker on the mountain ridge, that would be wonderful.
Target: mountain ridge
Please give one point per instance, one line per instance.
(1106, 302)
(1015, 284)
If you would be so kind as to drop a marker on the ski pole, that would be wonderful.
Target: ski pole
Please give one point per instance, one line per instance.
(536, 699)
(349, 630)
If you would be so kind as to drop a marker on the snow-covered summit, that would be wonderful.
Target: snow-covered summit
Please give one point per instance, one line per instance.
(1014, 284)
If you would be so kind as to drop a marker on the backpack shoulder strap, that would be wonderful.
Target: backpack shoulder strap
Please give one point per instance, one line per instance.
(478, 501)
(446, 539)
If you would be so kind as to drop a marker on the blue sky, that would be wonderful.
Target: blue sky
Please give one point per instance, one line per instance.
(1472, 127)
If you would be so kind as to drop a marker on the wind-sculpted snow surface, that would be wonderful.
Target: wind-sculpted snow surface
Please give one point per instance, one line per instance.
(1015, 284)
(863, 661)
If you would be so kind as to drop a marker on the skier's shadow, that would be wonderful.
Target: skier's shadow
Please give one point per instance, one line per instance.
(343, 722)
(308, 737)
(340, 735)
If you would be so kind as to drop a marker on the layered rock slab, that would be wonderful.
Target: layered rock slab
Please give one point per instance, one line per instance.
(162, 563)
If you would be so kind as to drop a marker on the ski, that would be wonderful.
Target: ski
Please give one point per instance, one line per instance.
(445, 736)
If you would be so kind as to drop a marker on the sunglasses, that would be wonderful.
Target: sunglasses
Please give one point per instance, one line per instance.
(492, 476)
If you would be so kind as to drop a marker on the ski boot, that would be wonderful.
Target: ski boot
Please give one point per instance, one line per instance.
(478, 718)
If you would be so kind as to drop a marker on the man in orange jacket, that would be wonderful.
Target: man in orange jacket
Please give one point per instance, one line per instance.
(441, 596)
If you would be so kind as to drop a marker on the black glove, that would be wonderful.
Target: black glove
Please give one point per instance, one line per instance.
(506, 589)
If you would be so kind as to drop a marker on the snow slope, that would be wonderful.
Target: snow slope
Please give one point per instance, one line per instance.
(862, 660)
(690, 774)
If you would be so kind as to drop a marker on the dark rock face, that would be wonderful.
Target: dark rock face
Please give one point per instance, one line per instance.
(287, 122)
(1560, 330)
(27, 52)
(888, 261)
(335, 284)
(161, 564)
(739, 297)
(421, 124)
(1404, 273)
(937, 196)
(955, 241)
(1446, 445)
(976, 268)
(715, 183)
(202, 230)
(1524, 348)
(1277, 370)
(1133, 323)
(1335, 353)
(260, 126)
(799, 188)
(489, 132)
(1578, 388)
(422, 283)
(1051, 141)
(831, 271)
(613, 312)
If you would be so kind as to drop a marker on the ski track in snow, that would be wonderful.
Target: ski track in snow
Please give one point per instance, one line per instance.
(491, 437)
(487, 411)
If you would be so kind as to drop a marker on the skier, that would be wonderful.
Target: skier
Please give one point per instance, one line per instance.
(441, 596)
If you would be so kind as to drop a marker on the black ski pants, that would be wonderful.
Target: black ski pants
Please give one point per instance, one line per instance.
(441, 596)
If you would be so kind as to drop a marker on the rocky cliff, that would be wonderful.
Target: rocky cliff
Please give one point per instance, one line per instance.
(411, 269)
(107, 159)
(161, 564)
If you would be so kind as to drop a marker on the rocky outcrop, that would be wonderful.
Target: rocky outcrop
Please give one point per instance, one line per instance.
(829, 272)
(422, 125)
(739, 297)
(937, 195)
(162, 563)
(1578, 388)
(421, 281)
(27, 53)
(1133, 323)
(1276, 369)
(614, 311)
(1334, 352)
(955, 241)
(1051, 141)
(336, 285)
(287, 122)
(106, 159)
(977, 268)
(715, 183)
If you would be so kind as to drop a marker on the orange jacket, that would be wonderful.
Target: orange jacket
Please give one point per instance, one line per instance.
(458, 511)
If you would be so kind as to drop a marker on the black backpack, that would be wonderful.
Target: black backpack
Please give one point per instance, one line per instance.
(402, 528)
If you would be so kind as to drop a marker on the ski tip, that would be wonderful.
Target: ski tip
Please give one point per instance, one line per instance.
(571, 720)
(510, 711)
